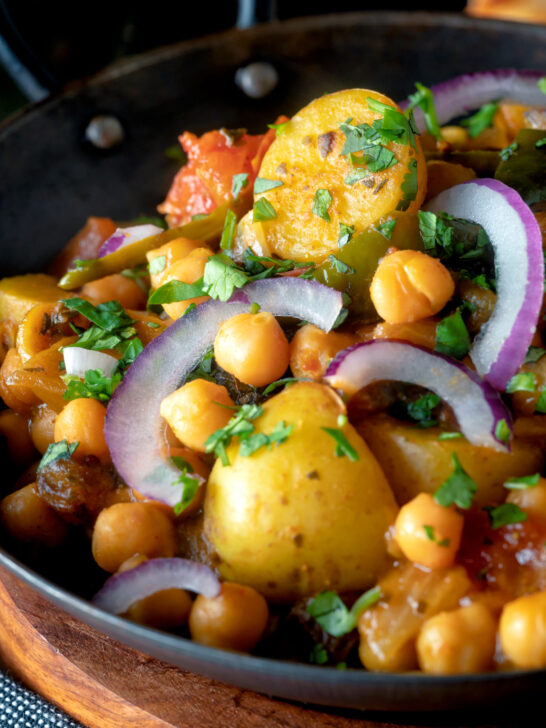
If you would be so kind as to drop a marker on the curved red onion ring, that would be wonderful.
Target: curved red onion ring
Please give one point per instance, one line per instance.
(462, 94)
(122, 237)
(133, 429)
(500, 347)
(476, 405)
(123, 589)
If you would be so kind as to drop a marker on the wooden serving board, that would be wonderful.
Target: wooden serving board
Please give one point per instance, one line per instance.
(105, 684)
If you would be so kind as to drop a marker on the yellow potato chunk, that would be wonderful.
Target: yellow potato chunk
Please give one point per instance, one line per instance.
(21, 293)
(306, 157)
(416, 461)
(295, 519)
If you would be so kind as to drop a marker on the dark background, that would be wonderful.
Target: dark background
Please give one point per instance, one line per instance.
(59, 42)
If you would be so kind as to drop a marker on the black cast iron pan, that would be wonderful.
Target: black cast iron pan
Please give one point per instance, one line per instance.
(51, 181)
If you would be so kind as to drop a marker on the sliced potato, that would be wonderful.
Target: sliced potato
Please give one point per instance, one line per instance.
(296, 519)
(306, 157)
(416, 461)
(21, 293)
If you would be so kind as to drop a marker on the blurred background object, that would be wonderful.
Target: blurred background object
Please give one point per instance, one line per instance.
(527, 11)
(46, 45)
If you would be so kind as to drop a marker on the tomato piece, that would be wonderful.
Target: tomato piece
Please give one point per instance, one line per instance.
(84, 245)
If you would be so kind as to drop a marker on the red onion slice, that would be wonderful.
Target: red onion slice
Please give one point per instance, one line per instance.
(134, 430)
(123, 589)
(500, 347)
(476, 405)
(78, 360)
(126, 236)
(462, 94)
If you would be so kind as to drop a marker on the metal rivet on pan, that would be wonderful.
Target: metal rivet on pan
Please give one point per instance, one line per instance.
(104, 132)
(257, 79)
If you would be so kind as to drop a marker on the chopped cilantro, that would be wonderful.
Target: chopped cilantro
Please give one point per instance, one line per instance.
(481, 120)
(263, 210)
(424, 99)
(174, 291)
(228, 232)
(356, 175)
(189, 484)
(502, 431)
(238, 183)
(253, 442)
(333, 616)
(129, 351)
(534, 353)
(421, 409)
(61, 450)
(94, 386)
(321, 202)
(429, 531)
(452, 337)
(222, 277)
(450, 436)
(522, 382)
(263, 185)
(386, 228)
(176, 154)
(240, 424)
(340, 266)
(523, 482)
(279, 128)
(343, 447)
(318, 655)
(346, 232)
(157, 265)
(541, 404)
(459, 488)
(541, 143)
(507, 152)
(505, 514)
(394, 127)
(409, 186)
(287, 381)
(255, 265)
(204, 369)
(541, 83)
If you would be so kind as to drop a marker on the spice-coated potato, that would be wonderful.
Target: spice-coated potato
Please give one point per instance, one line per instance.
(21, 293)
(306, 156)
(295, 519)
(416, 461)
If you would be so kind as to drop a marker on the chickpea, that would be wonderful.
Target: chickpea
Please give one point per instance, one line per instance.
(116, 287)
(195, 411)
(172, 251)
(409, 285)
(26, 517)
(30, 339)
(126, 529)
(16, 397)
(42, 427)
(457, 642)
(420, 333)
(428, 533)
(252, 347)
(233, 620)
(531, 500)
(14, 428)
(166, 609)
(456, 136)
(187, 270)
(312, 350)
(522, 631)
(82, 420)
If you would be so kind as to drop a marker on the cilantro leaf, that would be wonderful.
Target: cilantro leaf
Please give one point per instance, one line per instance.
(452, 337)
(507, 152)
(386, 228)
(321, 202)
(240, 424)
(190, 483)
(534, 353)
(346, 232)
(129, 351)
(94, 386)
(505, 514)
(222, 277)
(356, 175)
(318, 655)
(502, 431)
(541, 83)
(238, 183)
(174, 291)
(263, 185)
(61, 450)
(540, 143)
(252, 442)
(409, 186)
(286, 382)
(421, 409)
(333, 616)
(523, 482)
(459, 488)
(204, 369)
(450, 436)
(429, 530)
(263, 210)
(394, 126)
(541, 404)
(424, 99)
(340, 266)
(343, 446)
(228, 231)
(522, 382)
(279, 128)
(108, 316)
(481, 120)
